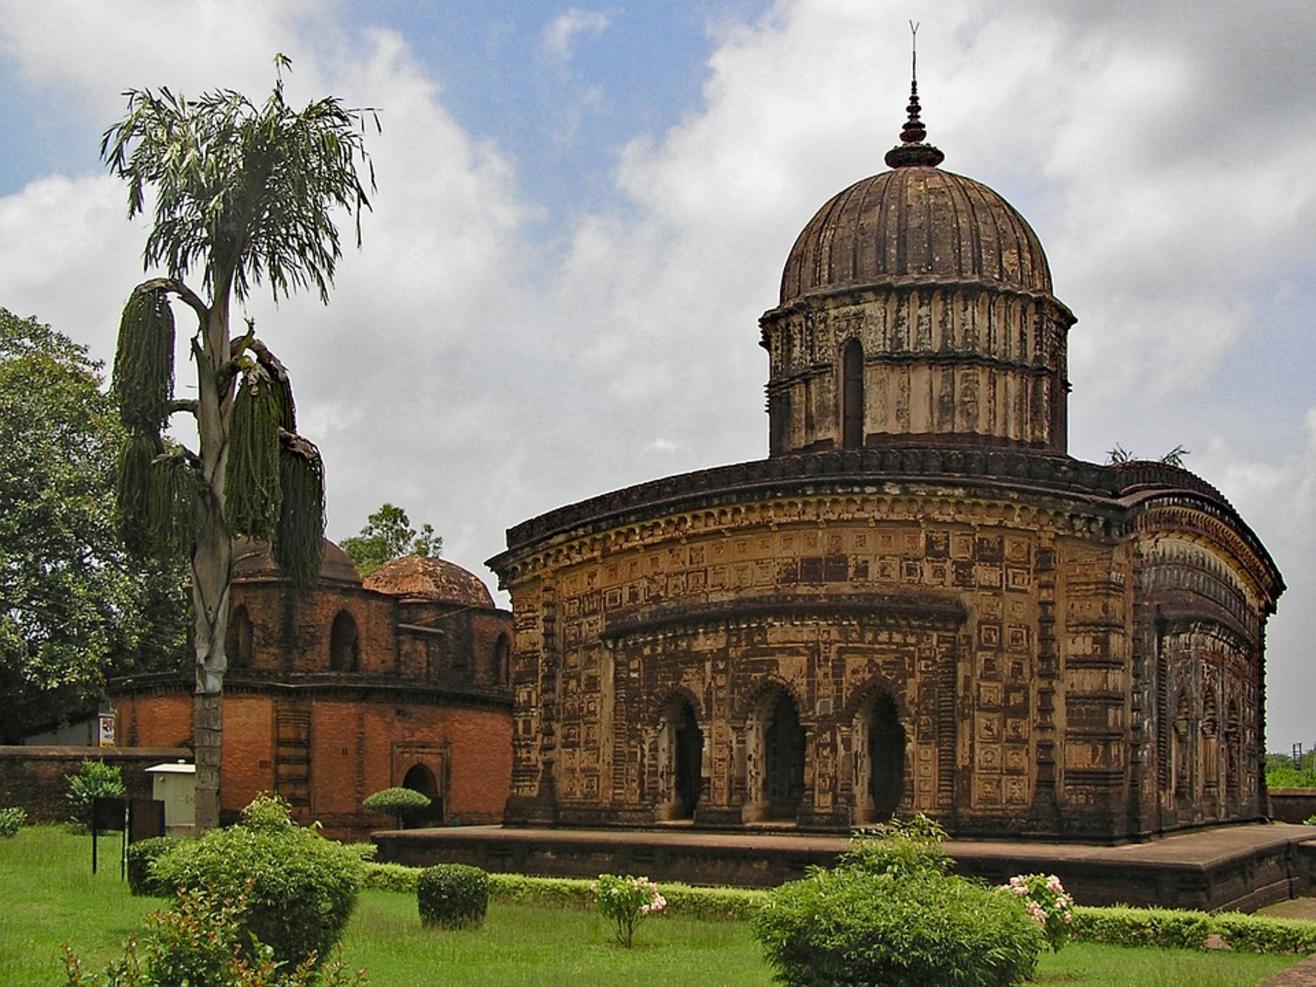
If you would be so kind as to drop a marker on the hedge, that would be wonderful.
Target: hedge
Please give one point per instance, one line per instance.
(1117, 925)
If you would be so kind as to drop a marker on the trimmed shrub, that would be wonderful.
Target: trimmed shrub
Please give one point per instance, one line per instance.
(300, 888)
(401, 802)
(390, 877)
(96, 779)
(142, 855)
(849, 926)
(366, 851)
(1121, 926)
(452, 896)
(201, 942)
(11, 819)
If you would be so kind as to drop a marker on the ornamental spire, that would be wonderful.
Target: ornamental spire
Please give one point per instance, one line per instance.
(912, 151)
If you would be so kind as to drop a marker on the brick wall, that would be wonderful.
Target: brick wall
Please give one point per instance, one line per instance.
(35, 777)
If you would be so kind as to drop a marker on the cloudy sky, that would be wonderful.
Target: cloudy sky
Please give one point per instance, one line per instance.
(583, 210)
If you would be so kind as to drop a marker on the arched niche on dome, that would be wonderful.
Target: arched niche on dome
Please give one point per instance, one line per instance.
(344, 644)
(852, 395)
(239, 642)
(502, 661)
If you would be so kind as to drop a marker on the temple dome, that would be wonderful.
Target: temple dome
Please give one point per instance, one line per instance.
(436, 580)
(254, 560)
(915, 223)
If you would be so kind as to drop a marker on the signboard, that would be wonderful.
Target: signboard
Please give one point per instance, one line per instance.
(105, 729)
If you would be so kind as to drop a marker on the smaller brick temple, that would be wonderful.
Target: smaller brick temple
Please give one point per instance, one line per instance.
(348, 687)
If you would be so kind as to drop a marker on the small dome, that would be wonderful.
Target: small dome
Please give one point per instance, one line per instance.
(915, 223)
(437, 580)
(254, 560)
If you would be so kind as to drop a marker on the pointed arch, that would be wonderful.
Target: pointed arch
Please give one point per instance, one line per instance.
(344, 644)
(878, 743)
(239, 645)
(774, 757)
(680, 757)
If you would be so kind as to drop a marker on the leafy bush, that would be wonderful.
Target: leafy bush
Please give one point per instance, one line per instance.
(95, 780)
(201, 942)
(1047, 904)
(898, 849)
(1121, 926)
(366, 851)
(624, 901)
(11, 819)
(141, 856)
(399, 801)
(301, 888)
(452, 896)
(850, 926)
(1309, 821)
(1282, 771)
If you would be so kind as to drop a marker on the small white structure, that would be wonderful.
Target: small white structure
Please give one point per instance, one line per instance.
(175, 786)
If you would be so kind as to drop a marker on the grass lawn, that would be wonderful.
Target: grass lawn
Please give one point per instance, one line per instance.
(50, 897)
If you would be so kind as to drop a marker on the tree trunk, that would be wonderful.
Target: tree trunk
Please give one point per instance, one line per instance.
(212, 559)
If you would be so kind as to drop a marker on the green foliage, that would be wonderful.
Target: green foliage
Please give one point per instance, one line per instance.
(624, 901)
(201, 942)
(1283, 772)
(392, 877)
(246, 192)
(388, 535)
(851, 926)
(1173, 928)
(300, 887)
(452, 896)
(94, 780)
(299, 535)
(75, 608)
(141, 856)
(396, 800)
(899, 849)
(143, 378)
(11, 820)
(252, 482)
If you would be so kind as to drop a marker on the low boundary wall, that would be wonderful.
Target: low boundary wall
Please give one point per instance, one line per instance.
(35, 777)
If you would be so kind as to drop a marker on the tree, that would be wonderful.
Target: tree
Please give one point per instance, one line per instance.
(74, 608)
(245, 194)
(388, 535)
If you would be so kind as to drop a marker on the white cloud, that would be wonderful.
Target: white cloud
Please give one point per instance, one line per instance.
(561, 35)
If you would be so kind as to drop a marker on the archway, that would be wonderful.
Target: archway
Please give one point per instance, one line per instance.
(344, 645)
(780, 739)
(238, 644)
(879, 751)
(681, 760)
(420, 778)
(502, 670)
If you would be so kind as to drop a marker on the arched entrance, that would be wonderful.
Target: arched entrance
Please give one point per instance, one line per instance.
(344, 644)
(681, 760)
(421, 779)
(774, 760)
(879, 752)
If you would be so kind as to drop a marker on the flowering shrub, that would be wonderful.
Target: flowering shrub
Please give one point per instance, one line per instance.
(11, 820)
(626, 900)
(1047, 904)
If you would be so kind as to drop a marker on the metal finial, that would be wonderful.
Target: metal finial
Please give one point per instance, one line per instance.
(912, 150)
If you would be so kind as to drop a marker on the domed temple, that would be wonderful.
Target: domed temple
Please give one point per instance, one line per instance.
(919, 602)
(336, 691)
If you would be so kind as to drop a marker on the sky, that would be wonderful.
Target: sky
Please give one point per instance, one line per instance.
(583, 209)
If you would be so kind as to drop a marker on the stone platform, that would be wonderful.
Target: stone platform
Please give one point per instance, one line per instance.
(1241, 867)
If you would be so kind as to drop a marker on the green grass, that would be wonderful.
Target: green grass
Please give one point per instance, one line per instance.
(50, 897)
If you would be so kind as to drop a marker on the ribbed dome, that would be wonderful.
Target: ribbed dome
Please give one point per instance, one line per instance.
(915, 224)
(437, 580)
(253, 560)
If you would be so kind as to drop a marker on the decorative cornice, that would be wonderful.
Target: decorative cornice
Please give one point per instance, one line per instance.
(924, 609)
